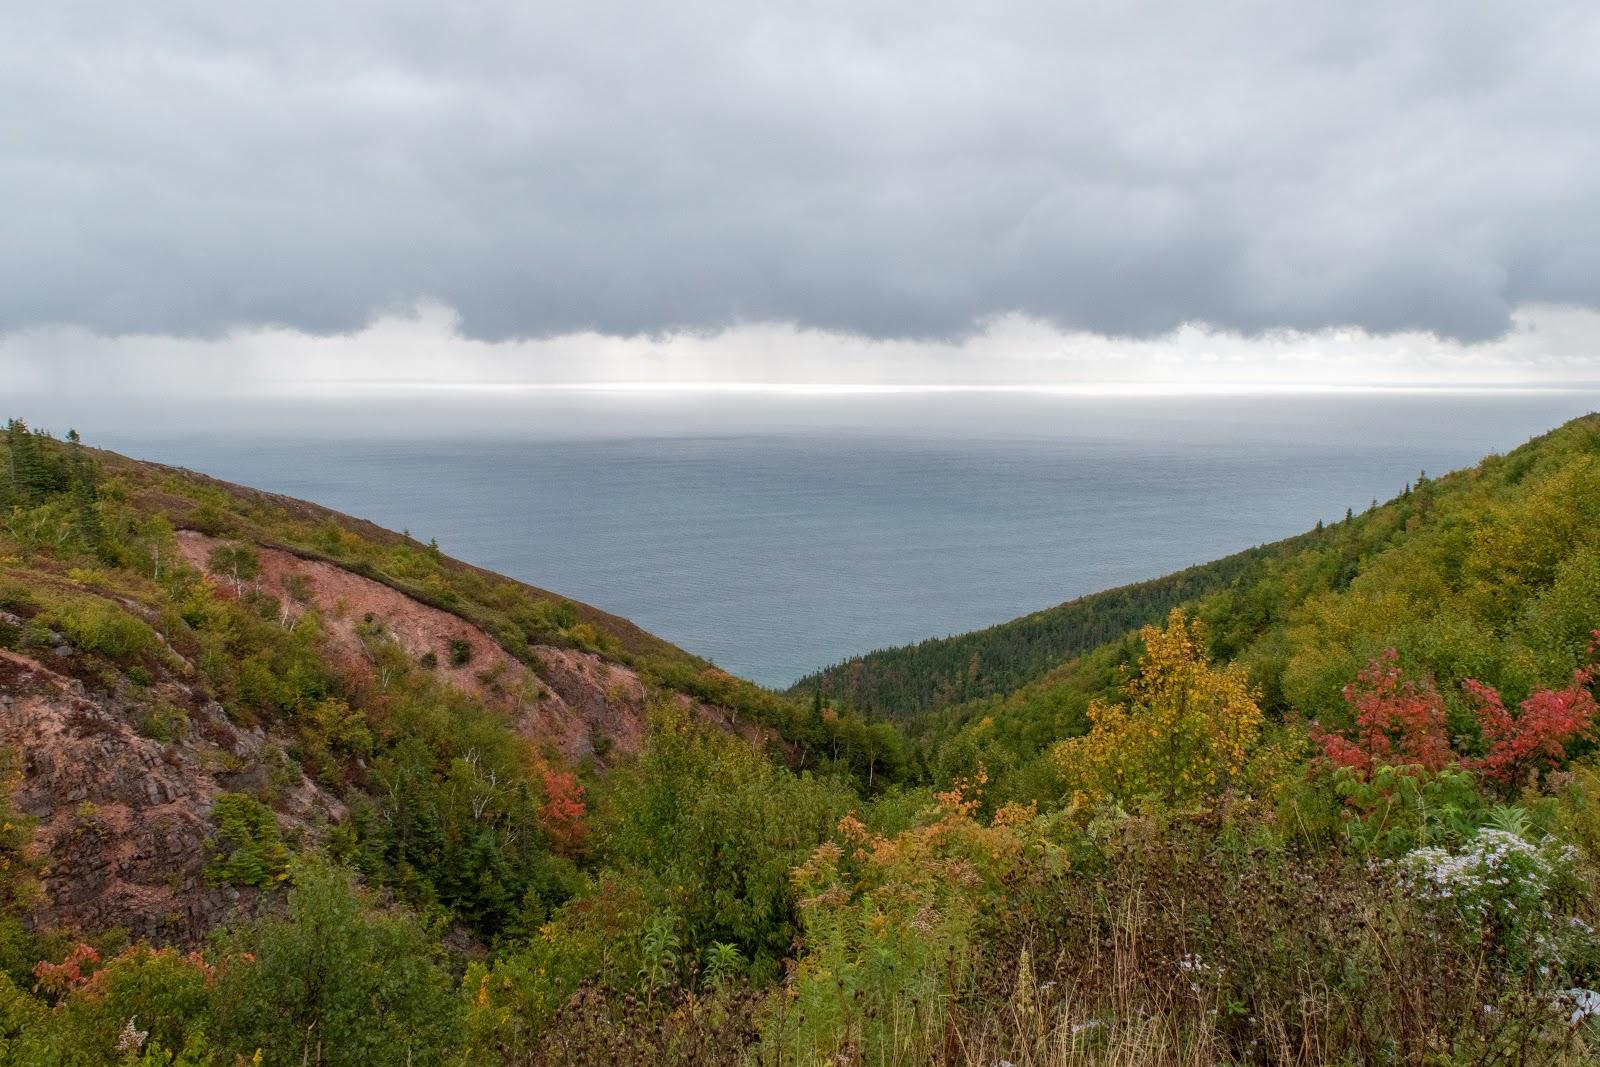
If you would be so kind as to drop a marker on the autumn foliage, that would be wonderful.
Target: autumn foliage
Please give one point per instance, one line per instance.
(1537, 737)
(563, 810)
(1399, 723)
(58, 979)
(1183, 733)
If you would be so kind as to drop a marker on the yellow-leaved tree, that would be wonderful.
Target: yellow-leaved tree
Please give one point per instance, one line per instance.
(1183, 732)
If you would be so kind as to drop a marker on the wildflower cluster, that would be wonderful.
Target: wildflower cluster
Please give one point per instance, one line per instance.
(1506, 885)
(132, 1038)
(1495, 877)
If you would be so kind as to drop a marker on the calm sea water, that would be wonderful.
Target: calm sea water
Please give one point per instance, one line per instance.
(778, 535)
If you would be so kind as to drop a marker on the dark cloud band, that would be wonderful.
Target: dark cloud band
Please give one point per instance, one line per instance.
(894, 170)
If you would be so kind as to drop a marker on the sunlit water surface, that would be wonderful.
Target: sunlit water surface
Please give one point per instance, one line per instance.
(777, 534)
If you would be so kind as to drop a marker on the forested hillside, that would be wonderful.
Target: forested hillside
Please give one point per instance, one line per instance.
(907, 682)
(283, 788)
(1490, 573)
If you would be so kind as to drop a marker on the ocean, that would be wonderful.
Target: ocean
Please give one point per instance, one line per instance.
(776, 534)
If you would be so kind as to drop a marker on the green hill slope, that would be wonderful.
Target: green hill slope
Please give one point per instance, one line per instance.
(1491, 573)
(908, 681)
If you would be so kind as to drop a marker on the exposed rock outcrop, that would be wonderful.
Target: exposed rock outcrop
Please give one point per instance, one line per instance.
(124, 833)
(123, 820)
(574, 702)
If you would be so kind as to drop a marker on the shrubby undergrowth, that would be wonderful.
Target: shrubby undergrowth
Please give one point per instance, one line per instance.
(1345, 812)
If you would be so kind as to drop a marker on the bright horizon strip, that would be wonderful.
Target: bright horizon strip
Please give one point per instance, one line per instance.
(1108, 388)
(423, 351)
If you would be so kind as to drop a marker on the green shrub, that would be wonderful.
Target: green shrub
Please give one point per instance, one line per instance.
(337, 981)
(96, 625)
(598, 939)
(165, 723)
(1402, 808)
(1398, 809)
(543, 618)
(235, 561)
(17, 866)
(23, 1021)
(250, 851)
(718, 828)
(142, 1000)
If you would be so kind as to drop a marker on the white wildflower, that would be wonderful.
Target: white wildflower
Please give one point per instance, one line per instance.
(132, 1038)
(1580, 1004)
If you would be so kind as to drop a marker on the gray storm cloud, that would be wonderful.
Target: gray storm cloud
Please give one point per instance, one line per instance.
(895, 170)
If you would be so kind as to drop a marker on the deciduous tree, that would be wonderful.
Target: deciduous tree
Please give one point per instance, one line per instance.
(1183, 733)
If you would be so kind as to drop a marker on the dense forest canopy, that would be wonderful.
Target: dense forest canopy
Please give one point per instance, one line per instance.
(906, 682)
(1333, 800)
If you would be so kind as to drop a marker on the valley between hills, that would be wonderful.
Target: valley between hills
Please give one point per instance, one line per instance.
(286, 787)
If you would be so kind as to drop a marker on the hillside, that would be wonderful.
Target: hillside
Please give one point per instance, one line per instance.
(1490, 572)
(909, 681)
(286, 788)
(169, 639)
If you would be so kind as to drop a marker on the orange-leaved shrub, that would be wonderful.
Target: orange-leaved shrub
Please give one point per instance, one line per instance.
(889, 922)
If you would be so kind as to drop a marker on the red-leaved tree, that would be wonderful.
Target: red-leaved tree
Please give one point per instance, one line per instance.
(563, 810)
(1399, 723)
(59, 979)
(1519, 746)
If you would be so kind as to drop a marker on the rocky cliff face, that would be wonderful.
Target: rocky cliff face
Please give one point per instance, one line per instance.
(124, 832)
(123, 820)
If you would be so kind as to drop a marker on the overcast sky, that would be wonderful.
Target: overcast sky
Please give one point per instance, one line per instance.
(921, 192)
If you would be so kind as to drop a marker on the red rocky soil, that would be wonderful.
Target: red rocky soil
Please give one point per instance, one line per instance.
(123, 820)
(123, 834)
(575, 700)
